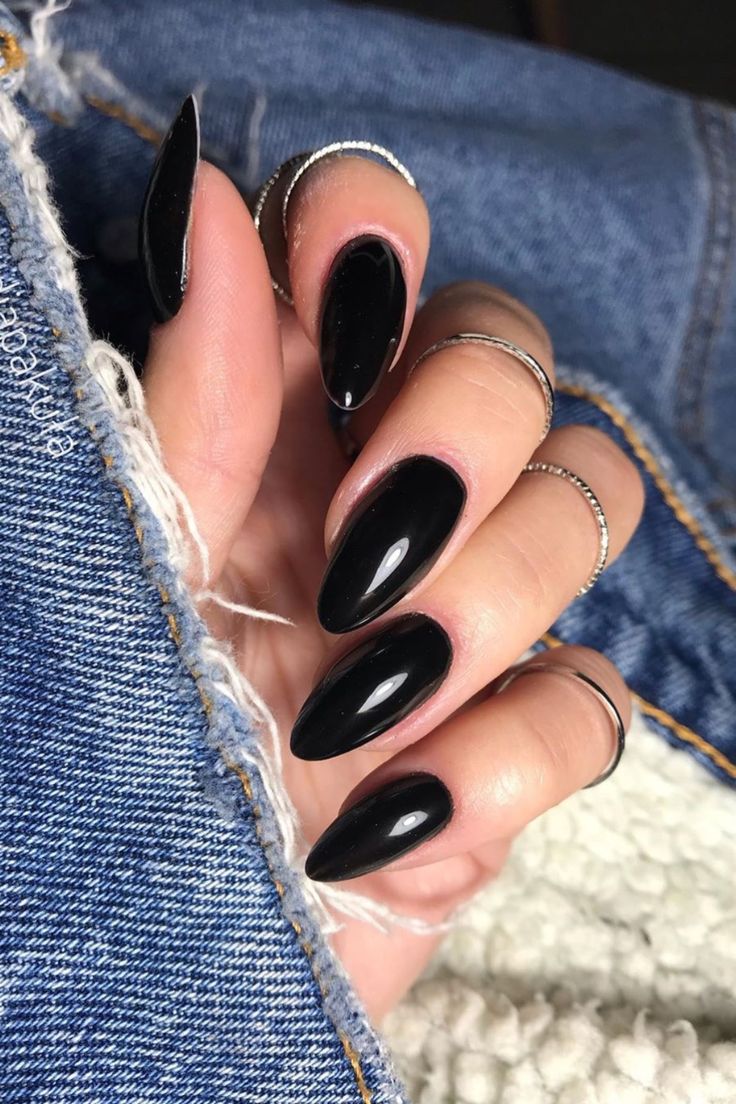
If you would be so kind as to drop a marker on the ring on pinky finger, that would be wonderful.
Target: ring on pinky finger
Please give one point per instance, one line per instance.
(562, 669)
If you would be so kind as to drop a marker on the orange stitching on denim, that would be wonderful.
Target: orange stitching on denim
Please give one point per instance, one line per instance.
(683, 515)
(138, 530)
(365, 1092)
(12, 53)
(687, 735)
(115, 111)
(307, 947)
(174, 629)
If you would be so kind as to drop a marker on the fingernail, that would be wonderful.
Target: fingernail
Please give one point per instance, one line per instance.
(381, 828)
(362, 320)
(391, 541)
(165, 215)
(373, 687)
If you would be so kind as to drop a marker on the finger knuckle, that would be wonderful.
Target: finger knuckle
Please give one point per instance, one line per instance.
(531, 582)
(600, 669)
(497, 385)
(474, 299)
(604, 456)
(551, 754)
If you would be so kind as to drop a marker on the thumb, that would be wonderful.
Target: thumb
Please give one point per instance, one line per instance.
(213, 377)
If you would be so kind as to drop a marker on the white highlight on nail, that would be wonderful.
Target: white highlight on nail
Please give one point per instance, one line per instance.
(389, 563)
(408, 822)
(385, 690)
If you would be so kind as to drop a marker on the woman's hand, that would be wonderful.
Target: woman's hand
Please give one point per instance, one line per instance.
(485, 562)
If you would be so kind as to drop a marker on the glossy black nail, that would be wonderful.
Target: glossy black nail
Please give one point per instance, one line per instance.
(381, 828)
(373, 687)
(391, 541)
(362, 320)
(165, 215)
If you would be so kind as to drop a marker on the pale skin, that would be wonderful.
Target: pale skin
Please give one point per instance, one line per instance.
(234, 390)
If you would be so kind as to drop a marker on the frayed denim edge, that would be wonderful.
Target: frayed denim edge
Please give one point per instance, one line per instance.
(46, 262)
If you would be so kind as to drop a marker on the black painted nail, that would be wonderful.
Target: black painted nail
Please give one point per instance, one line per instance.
(362, 320)
(381, 828)
(165, 215)
(391, 541)
(373, 687)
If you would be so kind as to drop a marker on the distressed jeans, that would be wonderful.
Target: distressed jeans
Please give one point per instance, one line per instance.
(156, 943)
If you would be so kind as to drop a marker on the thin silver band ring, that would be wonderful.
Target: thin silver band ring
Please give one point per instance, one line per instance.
(334, 149)
(263, 193)
(603, 697)
(298, 165)
(515, 351)
(592, 500)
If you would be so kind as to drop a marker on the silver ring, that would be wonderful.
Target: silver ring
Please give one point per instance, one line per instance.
(592, 500)
(263, 194)
(507, 347)
(298, 165)
(603, 697)
(334, 149)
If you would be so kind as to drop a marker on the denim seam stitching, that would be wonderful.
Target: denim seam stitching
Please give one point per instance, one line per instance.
(123, 115)
(670, 496)
(12, 53)
(713, 133)
(351, 1054)
(687, 735)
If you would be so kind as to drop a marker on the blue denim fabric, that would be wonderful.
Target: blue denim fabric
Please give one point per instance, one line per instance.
(149, 955)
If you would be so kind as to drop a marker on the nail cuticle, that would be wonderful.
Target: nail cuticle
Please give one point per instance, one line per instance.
(373, 687)
(381, 827)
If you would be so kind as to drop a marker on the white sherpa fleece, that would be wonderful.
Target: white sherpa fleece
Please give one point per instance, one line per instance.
(600, 967)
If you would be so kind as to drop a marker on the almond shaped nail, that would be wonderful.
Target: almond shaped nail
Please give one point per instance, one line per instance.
(362, 320)
(392, 539)
(166, 213)
(381, 828)
(373, 687)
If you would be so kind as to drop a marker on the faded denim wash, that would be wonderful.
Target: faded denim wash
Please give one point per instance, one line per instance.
(149, 947)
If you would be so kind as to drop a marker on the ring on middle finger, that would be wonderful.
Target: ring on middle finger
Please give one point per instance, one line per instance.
(529, 362)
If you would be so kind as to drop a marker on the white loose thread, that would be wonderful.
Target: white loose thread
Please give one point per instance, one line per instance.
(40, 27)
(19, 138)
(161, 493)
(238, 607)
(253, 162)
